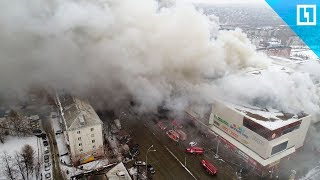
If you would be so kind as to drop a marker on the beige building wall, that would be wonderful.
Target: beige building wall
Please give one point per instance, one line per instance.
(227, 117)
(85, 142)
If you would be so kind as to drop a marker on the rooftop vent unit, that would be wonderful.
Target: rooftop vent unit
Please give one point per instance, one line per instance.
(81, 119)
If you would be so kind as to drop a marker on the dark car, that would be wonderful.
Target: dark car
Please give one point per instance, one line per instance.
(151, 169)
(46, 158)
(45, 143)
(136, 146)
(37, 131)
(135, 152)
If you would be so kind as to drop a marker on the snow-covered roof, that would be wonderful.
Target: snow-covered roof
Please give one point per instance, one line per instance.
(269, 118)
(77, 113)
(118, 172)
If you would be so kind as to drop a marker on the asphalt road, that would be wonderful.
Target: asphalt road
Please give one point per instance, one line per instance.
(145, 132)
(165, 165)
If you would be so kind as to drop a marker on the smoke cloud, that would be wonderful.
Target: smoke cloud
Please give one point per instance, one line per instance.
(153, 53)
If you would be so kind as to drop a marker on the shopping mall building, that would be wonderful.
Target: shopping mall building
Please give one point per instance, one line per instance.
(261, 137)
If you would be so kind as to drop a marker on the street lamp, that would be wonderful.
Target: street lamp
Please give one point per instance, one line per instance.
(217, 150)
(149, 150)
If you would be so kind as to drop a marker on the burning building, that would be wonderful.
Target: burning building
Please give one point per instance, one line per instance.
(82, 129)
(261, 136)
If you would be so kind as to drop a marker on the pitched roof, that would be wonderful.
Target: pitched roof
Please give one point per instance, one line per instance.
(77, 113)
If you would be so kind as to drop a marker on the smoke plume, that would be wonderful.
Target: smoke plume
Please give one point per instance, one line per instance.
(142, 50)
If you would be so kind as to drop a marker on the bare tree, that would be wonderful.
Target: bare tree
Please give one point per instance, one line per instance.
(27, 154)
(19, 123)
(8, 169)
(37, 169)
(19, 163)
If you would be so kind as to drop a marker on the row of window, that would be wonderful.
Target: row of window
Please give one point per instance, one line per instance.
(91, 129)
(93, 141)
(93, 147)
(79, 138)
(267, 133)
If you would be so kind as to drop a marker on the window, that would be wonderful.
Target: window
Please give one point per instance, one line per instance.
(91, 129)
(79, 138)
(257, 128)
(78, 132)
(93, 141)
(80, 144)
(279, 147)
(92, 135)
(291, 127)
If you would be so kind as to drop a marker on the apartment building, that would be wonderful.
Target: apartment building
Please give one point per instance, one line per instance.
(82, 129)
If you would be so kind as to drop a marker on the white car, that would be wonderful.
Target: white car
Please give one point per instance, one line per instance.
(140, 163)
(192, 143)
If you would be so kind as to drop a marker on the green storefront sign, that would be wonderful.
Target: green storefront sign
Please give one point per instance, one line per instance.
(221, 120)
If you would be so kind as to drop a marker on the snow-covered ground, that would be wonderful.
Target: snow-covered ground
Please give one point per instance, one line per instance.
(15, 144)
(304, 53)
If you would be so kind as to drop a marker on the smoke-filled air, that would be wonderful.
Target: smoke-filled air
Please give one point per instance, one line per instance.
(154, 53)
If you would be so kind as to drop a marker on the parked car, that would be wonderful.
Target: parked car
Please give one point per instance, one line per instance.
(210, 168)
(193, 143)
(135, 146)
(195, 150)
(46, 151)
(47, 168)
(58, 132)
(135, 152)
(48, 175)
(162, 126)
(140, 163)
(151, 169)
(47, 165)
(37, 131)
(45, 143)
(46, 158)
(173, 135)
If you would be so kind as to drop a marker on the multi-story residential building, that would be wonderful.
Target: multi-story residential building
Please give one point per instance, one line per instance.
(82, 129)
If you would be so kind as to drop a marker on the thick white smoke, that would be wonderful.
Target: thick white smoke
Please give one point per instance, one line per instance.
(118, 49)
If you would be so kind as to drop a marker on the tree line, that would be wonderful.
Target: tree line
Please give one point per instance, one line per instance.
(16, 125)
(22, 165)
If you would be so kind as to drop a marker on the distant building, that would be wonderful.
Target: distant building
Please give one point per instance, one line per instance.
(261, 137)
(280, 51)
(82, 128)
